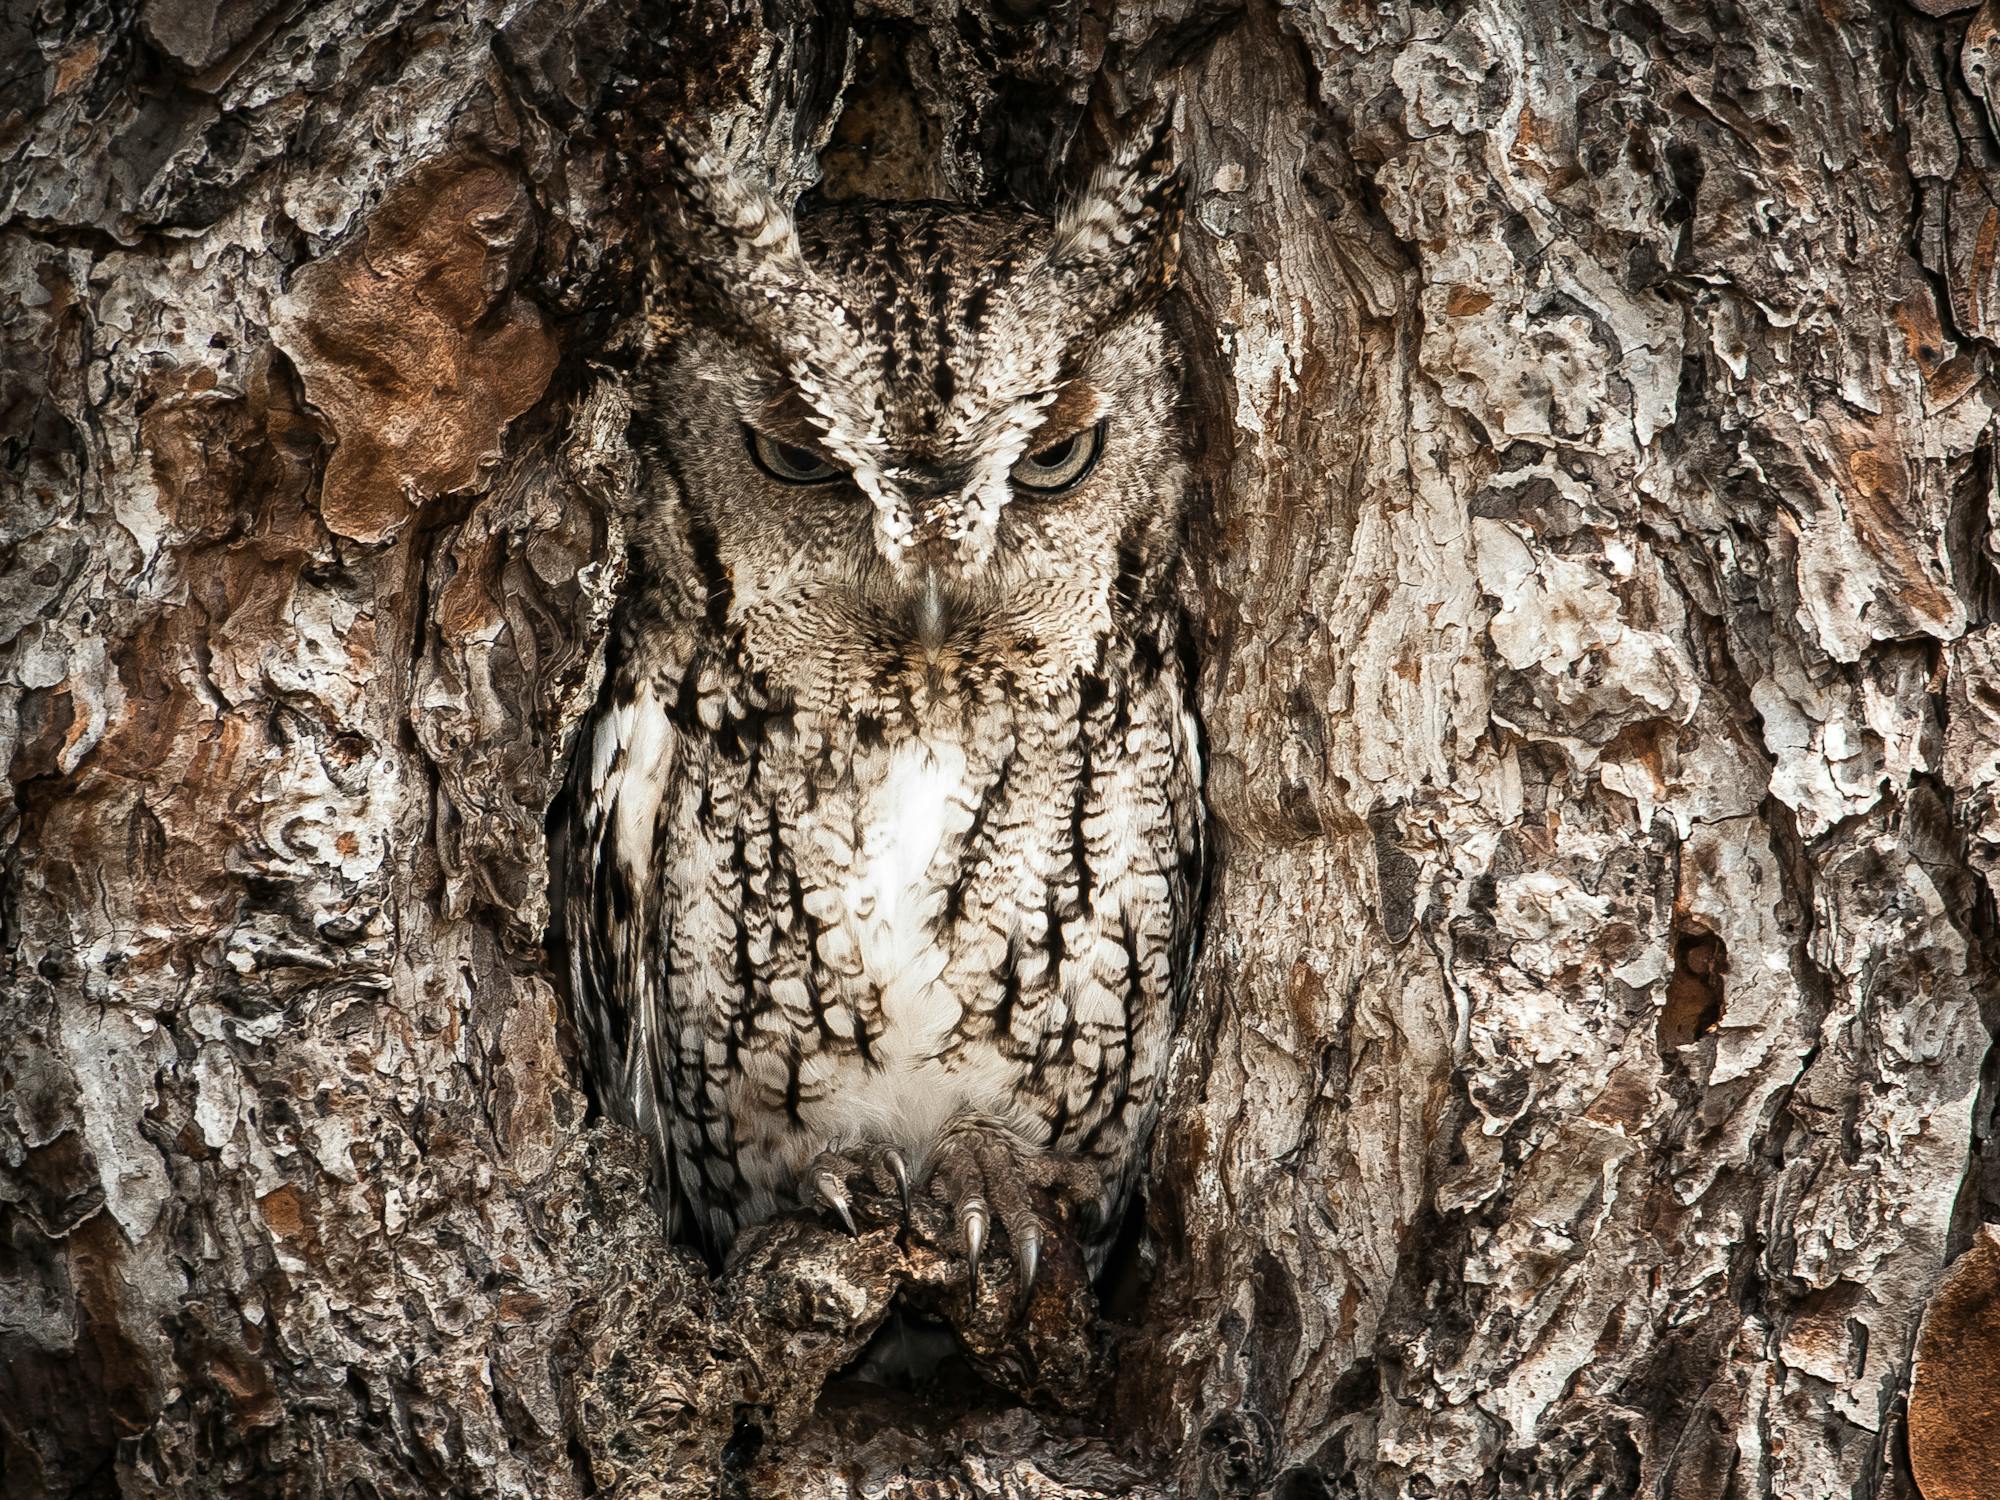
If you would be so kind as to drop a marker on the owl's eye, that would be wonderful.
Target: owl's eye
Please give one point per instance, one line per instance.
(787, 462)
(1060, 466)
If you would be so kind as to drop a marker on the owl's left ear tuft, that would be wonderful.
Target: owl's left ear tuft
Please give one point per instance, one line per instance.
(733, 233)
(1122, 235)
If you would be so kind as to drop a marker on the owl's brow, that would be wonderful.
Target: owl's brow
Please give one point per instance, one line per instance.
(788, 419)
(1078, 405)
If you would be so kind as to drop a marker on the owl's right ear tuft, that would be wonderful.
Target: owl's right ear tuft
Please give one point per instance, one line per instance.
(1121, 238)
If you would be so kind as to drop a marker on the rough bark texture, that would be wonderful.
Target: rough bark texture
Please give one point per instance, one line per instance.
(1588, 1078)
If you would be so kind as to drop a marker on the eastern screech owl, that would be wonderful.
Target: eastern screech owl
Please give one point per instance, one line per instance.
(885, 841)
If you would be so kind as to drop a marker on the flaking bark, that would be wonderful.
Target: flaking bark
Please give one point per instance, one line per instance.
(1588, 1077)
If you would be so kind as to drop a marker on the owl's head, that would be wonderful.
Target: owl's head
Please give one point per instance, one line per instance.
(906, 428)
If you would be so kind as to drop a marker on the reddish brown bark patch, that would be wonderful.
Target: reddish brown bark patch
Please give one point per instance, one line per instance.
(1955, 1386)
(1695, 993)
(413, 347)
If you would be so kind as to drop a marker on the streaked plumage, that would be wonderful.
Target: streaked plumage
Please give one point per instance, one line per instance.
(887, 823)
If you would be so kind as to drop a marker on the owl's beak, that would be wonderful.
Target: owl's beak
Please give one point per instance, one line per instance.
(930, 568)
(932, 612)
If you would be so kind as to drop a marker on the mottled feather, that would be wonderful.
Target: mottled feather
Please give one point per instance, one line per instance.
(889, 816)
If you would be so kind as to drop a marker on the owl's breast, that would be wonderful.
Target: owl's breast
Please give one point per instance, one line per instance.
(890, 897)
(874, 933)
(910, 898)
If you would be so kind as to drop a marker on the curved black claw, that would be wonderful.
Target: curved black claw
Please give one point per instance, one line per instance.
(901, 1173)
(1028, 1256)
(972, 1224)
(833, 1177)
(827, 1184)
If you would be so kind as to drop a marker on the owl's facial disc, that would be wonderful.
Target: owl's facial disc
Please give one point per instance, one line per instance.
(961, 450)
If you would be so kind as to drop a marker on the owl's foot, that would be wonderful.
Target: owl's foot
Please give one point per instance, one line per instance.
(1028, 1327)
(832, 1172)
(981, 1170)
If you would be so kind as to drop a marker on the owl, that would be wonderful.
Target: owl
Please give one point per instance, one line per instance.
(884, 840)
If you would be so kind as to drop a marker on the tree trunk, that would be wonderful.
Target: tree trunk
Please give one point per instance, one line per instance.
(1587, 1078)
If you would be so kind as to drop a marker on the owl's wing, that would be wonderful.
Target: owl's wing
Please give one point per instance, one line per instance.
(1194, 865)
(615, 913)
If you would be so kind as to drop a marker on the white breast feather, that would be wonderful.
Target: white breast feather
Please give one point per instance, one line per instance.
(892, 898)
(888, 907)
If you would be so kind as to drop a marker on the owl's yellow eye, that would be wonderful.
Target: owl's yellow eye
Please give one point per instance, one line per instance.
(1060, 466)
(787, 462)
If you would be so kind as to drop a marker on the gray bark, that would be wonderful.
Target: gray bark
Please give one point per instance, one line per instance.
(1588, 1078)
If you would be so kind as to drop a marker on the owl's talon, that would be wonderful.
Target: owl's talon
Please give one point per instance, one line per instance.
(900, 1170)
(834, 1196)
(972, 1224)
(988, 1177)
(1028, 1256)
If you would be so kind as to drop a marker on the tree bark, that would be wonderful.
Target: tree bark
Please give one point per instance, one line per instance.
(1589, 1073)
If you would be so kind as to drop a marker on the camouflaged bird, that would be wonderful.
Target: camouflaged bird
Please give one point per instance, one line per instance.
(884, 843)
